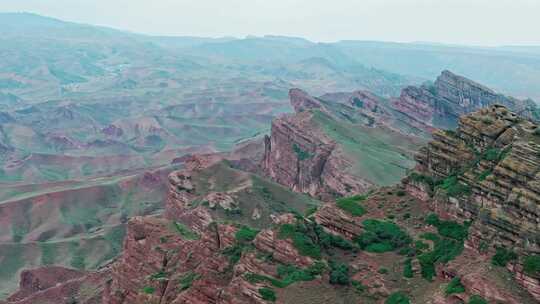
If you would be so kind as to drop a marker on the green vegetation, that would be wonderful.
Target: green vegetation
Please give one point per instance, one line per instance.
(48, 253)
(407, 269)
(359, 287)
(425, 179)
(268, 294)
(491, 154)
(484, 175)
(383, 270)
(454, 187)
(158, 276)
(448, 244)
(234, 252)
(185, 232)
(381, 236)
(78, 257)
(477, 300)
(301, 240)
(449, 229)
(454, 286)
(246, 234)
(77, 215)
(358, 102)
(12, 261)
(503, 256)
(114, 238)
(289, 274)
(531, 264)
(378, 155)
(311, 210)
(243, 236)
(148, 289)
(397, 298)
(187, 280)
(301, 154)
(328, 240)
(339, 273)
(352, 204)
(18, 233)
(310, 239)
(420, 246)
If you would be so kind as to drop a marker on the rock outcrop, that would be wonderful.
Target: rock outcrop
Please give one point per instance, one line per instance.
(60, 285)
(301, 157)
(487, 172)
(442, 103)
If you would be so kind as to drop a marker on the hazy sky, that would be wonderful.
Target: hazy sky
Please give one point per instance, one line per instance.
(479, 22)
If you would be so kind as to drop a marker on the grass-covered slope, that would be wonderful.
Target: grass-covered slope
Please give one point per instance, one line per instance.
(379, 155)
(252, 194)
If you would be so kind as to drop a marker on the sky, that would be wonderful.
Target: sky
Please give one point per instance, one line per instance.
(471, 22)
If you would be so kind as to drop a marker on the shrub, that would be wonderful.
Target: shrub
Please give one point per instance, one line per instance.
(246, 234)
(420, 246)
(447, 245)
(397, 298)
(187, 280)
(454, 286)
(381, 236)
(454, 187)
(531, 264)
(301, 154)
(358, 287)
(289, 274)
(185, 232)
(311, 210)
(268, 294)
(491, 154)
(503, 256)
(425, 179)
(339, 273)
(148, 289)
(301, 240)
(158, 276)
(352, 205)
(445, 250)
(484, 175)
(328, 240)
(234, 252)
(407, 269)
(477, 300)
(448, 229)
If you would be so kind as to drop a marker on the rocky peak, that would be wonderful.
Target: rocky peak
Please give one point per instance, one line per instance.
(299, 155)
(302, 101)
(450, 96)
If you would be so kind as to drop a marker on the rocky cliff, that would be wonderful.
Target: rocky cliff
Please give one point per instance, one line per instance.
(323, 149)
(487, 172)
(442, 103)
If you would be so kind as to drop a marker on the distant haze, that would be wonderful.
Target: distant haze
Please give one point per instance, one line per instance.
(473, 22)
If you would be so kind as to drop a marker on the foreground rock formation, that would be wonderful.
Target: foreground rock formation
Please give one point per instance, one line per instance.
(487, 172)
